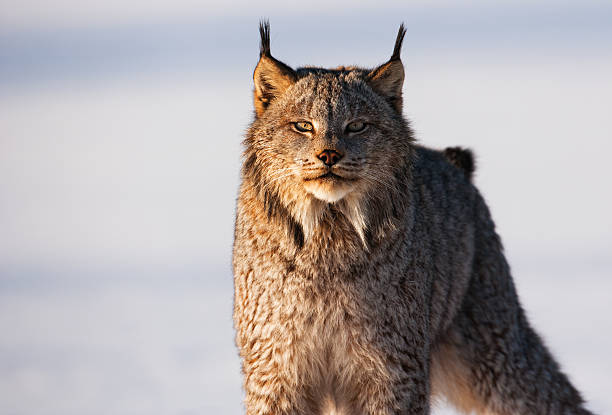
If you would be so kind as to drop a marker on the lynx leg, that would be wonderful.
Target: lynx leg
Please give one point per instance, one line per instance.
(270, 397)
(392, 385)
(492, 362)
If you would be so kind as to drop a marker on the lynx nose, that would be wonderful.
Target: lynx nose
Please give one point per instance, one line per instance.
(329, 157)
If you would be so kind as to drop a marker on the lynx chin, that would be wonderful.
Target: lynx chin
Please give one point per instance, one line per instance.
(368, 275)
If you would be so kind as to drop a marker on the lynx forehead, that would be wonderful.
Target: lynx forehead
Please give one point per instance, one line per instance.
(368, 275)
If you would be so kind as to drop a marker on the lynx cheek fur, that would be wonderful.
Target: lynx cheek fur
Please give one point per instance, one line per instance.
(368, 274)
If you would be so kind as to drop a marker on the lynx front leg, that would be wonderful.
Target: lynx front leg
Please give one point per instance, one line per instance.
(405, 397)
(271, 391)
(268, 395)
(366, 384)
(491, 361)
(370, 396)
(388, 378)
(271, 377)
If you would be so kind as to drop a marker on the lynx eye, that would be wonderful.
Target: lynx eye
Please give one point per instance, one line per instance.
(355, 126)
(303, 126)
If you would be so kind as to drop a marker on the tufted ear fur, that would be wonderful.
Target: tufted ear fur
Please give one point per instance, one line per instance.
(388, 78)
(271, 77)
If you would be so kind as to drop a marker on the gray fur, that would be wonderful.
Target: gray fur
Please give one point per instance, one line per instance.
(368, 293)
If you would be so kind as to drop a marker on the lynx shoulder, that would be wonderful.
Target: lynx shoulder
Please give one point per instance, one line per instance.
(368, 274)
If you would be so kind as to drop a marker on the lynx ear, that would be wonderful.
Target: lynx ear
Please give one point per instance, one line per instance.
(271, 77)
(388, 78)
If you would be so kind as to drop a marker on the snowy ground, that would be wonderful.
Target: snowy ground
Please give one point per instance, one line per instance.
(162, 343)
(116, 224)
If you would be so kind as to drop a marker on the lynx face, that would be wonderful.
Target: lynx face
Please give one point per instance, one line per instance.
(325, 138)
(331, 135)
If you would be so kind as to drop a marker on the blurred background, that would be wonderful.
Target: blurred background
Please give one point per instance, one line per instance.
(120, 130)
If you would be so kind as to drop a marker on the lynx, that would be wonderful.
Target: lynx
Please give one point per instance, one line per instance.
(368, 274)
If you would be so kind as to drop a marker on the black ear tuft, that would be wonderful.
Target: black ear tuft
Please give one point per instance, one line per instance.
(271, 76)
(388, 78)
(264, 32)
(398, 43)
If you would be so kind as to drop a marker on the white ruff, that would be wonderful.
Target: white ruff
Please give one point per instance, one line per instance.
(348, 203)
(329, 195)
(353, 210)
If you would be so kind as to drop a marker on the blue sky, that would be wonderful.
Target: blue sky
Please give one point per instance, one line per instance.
(105, 47)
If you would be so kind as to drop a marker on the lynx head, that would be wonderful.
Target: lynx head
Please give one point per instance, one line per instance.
(326, 139)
